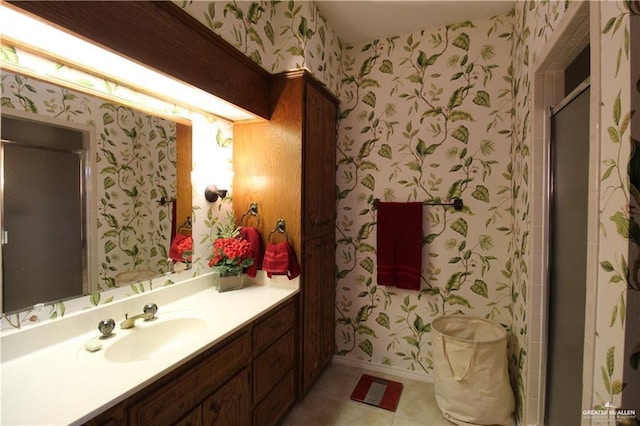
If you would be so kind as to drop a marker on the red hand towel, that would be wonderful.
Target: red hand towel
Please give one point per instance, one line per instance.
(252, 235)
(399, 242)
(279, 259)
(174, 251)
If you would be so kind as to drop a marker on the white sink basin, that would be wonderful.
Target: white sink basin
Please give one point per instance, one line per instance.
(151, 339)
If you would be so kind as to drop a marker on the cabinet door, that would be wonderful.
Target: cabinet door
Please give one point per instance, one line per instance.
(270, 411)
(229, 405)
(169, 400)
(319, 163)
(319, 298)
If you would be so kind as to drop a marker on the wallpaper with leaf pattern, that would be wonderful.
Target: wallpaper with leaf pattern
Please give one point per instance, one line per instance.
(277, 35)
(424, 116)
(616, 361)
(631, 357)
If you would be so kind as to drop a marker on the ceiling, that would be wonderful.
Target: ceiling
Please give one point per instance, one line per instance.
(366, 20)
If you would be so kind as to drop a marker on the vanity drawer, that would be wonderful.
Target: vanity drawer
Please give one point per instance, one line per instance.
(274, 326)
(273, 407)
(182, 392)
(272, 365)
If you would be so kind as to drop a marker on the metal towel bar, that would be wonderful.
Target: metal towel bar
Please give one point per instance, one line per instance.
(456, 203)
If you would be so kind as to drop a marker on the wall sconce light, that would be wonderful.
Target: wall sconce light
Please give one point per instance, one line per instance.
(211, 193)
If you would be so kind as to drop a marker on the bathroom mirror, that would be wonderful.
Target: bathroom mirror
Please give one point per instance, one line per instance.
(92, 184)
(162, 36)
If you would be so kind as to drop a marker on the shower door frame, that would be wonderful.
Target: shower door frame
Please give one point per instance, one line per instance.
(88, 182)
(580, 27)
(552, 146)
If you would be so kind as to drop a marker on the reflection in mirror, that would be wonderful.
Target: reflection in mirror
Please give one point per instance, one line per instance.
(44, 206)
(135, 168)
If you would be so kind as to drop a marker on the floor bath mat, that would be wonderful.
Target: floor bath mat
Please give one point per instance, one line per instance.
(378, 392)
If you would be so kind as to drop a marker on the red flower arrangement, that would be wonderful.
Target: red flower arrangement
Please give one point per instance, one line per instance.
(230, 252)
(185, 248)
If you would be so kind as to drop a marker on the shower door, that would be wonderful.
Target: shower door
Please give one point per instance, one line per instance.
(568, 257)
(43, 251)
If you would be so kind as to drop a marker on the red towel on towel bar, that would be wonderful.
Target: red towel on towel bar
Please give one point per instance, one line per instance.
(399, 242)
(279, 259)
(252, 235)
(174, 249)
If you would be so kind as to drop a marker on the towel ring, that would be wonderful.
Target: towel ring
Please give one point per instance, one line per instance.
(280, 227)
(186, 227)
(251, 211)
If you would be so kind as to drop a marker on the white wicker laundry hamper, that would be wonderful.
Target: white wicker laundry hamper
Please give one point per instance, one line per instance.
(471, 378)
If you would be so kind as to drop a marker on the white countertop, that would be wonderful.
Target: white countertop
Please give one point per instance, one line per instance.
(48, 378)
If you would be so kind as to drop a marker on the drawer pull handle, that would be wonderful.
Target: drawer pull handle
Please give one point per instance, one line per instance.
(276, 324)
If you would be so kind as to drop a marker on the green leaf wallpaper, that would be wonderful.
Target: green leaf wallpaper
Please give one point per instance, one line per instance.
(277, 35)
(618, 287)
(424, 116)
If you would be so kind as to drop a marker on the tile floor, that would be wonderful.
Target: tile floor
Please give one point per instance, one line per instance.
(328, 403)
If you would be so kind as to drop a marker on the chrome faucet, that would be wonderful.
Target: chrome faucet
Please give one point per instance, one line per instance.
(148, 314)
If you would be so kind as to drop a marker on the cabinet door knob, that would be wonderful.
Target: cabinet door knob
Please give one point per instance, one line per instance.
(214, 407)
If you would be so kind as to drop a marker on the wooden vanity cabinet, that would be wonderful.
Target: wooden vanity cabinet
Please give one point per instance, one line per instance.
(201, 384)
(248, 378)
(212, 389)
(288, 166)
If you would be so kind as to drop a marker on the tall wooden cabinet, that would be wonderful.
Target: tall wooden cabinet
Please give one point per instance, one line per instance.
(287, 165)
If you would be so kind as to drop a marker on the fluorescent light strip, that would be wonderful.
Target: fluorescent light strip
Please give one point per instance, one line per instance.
(43, 37)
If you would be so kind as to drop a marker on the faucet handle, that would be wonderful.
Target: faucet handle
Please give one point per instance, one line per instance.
(106, 327)
(150, 309)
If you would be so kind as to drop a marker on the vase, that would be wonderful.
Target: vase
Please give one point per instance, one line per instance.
(227, 278)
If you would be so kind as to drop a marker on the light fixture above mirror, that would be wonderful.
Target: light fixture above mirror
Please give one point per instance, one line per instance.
(22, 29)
